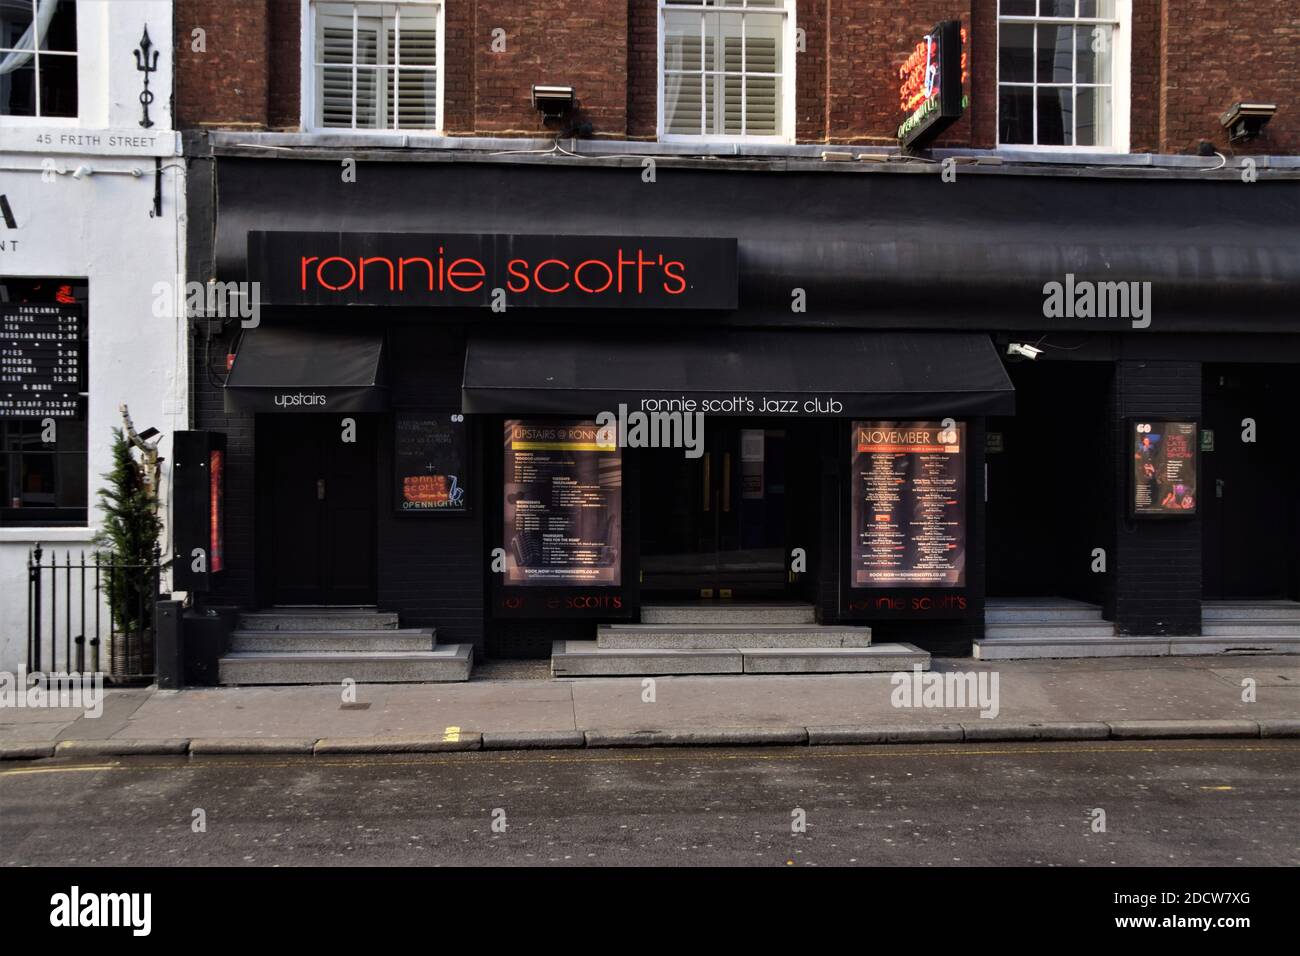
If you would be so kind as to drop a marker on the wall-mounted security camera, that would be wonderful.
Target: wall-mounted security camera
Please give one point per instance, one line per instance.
(1020, 350)
(1245, 121)
(553, 101)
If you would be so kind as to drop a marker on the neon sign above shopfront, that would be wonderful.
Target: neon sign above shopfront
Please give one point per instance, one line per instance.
(932, 85)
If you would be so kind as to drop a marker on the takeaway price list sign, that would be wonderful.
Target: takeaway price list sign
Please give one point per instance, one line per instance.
(909, 505)
(42, 360)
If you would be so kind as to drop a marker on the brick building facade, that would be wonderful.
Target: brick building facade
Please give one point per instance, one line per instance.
(1190, 60)
(1112, 509)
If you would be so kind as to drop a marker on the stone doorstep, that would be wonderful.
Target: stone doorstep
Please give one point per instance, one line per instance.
(334, 640)
(588, 659)
(728, 636)
(781, 612)
(445, 663)
(1046, 646)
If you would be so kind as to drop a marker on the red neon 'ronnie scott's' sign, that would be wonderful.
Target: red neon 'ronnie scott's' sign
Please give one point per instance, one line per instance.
(469, 270)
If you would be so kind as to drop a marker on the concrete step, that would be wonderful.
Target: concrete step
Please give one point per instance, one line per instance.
(1040, 646)
(1032, 648)
(1073, 612)
(776, 612)
(1251, 627)
(1270, 643)
(701, 636)
(446, 662)
(835, 660)
(403, 639)
(318, 619)
(586, 659)
(1250, 610)
(1052, 629)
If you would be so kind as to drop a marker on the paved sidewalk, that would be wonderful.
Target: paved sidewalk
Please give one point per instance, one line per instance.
(1081, 699)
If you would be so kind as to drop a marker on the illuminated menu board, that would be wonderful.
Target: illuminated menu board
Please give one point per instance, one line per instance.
(42, 360)
(431, 462)
(909, 505)
(1164, 468)
(563, 505)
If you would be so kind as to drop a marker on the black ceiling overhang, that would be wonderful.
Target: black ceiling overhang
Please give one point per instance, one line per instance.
(868, 249)
(293, 369)
(806, 373)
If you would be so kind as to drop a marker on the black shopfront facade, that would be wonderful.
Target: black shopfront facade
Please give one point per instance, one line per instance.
(412, 422)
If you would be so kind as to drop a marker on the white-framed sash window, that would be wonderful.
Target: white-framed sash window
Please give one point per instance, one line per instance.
(726, 70)
(38, 59)
(1063, 74)
(372, 66)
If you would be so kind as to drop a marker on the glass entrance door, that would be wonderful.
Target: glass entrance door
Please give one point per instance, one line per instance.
(714, 526)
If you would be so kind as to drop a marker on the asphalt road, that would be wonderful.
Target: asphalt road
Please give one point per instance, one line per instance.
(1175, 803)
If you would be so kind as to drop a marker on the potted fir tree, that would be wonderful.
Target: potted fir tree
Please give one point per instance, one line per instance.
(127, 547)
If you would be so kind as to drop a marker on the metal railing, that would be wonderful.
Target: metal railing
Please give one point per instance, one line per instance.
(90, 613)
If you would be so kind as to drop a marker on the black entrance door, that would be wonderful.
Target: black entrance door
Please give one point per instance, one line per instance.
(1247, 487)
(715, 526)
(1047, 475)
(320, 496)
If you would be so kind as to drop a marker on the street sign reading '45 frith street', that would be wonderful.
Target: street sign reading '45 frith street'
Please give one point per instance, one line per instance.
(932, 85)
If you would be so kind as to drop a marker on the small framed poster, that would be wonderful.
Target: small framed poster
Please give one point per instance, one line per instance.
(430, 463)
(1165, 462)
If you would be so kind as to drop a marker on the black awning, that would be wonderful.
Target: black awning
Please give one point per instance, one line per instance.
(731, 372)
(307, 370)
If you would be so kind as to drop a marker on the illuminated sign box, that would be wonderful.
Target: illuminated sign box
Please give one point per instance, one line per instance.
(1165, 462)
(908, 507)
(932, 85)
(198, 508)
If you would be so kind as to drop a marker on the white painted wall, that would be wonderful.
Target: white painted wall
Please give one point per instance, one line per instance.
(101, 227)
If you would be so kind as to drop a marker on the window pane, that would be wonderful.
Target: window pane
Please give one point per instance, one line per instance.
(763, 93)
(1093, 124)
(1056, 8)
(1016, 114)
(731, 85)
(1055, 56)
(415, 83)
(18, 90)
(15, 21)
(367, 98)
(1097, 8)
(763, 43)
(334, 87)
(682, 104)
(58, 86)
(1018, 8)
(61, 34)
(1093, 63)
(682, 41)
(1055, 116)
(1016, 53)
